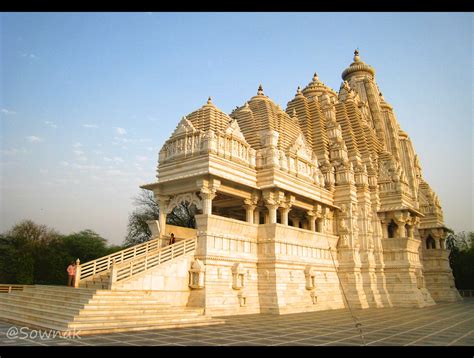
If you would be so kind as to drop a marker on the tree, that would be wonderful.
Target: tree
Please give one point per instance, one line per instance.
(461, 258)
(22, 247)
(148, 209)
(36, 254)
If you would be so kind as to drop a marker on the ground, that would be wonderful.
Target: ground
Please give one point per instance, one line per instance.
(449, 324)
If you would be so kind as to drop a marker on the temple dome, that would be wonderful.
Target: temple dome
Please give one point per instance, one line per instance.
(357, 66)
(259, 114)
(209, 117)
(316, 88)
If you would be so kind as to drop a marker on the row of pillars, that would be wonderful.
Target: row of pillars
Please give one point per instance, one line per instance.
(253, 216)
(392, 230)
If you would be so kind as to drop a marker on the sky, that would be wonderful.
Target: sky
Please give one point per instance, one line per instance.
(88, 99)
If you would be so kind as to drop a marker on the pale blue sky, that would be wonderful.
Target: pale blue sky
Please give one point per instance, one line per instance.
(88, 99)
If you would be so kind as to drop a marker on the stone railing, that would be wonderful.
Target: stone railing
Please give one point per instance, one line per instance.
(222, 236)
(126, 270)
(224, 145)
(235, 149)
(466, 293)
(219, 225)
(282, 240)
(103, 264)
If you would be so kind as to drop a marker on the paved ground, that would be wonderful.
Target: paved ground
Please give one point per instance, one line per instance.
(440, 325)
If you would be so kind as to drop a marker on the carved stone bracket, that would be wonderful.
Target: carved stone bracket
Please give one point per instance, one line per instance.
(190, 198)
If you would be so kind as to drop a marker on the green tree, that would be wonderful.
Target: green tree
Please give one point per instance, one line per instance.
(22, 247)
(36, 254)
(461, 258)
(85, 245)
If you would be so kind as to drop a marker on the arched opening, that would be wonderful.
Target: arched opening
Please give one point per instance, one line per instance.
(392, 229)
(430, 243)
(183, 215)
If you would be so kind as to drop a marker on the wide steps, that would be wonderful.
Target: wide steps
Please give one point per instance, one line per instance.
(38, 318)
(60, 314)
(98, 324)
(131, 307)
(46, 306)
(34, 323)
(141, 327)
(21, 299)
(57, 288)
(61, 291)
(20, 296)
(124, 316)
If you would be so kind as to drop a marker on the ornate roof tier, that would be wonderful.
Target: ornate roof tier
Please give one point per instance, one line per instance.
(259, 114)
(317, 88)
(209, 117)
(357, 66)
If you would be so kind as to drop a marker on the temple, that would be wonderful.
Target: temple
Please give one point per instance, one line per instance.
(303, 206)
(319, 206)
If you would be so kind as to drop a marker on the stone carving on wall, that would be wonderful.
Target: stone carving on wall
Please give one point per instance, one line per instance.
(242, 296)
(196, 275)
(238, 276)
(310, 276)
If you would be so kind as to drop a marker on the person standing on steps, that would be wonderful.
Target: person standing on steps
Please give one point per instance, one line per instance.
(71, 272)
(172, 239)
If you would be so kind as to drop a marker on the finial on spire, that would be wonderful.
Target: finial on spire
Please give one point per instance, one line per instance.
(298, 91)
(315, 77)
(209, 100)
(260, 90)
(356, 55)
(294, 112)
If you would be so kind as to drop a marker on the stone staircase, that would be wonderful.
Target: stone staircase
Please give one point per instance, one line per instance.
(94, 306)
(91, 311)
(98, 282)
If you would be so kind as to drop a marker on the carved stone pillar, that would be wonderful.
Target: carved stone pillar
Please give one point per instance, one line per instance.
(163, 203)
(207, 196)
(249, 209)
(272, 213)
(402, 231)
(256, 216)
(311, 215)
(384, 224)
(266, 217)
(401, 219)
(208, 193)
(284, 215)
(272, 202)
(320, 224)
